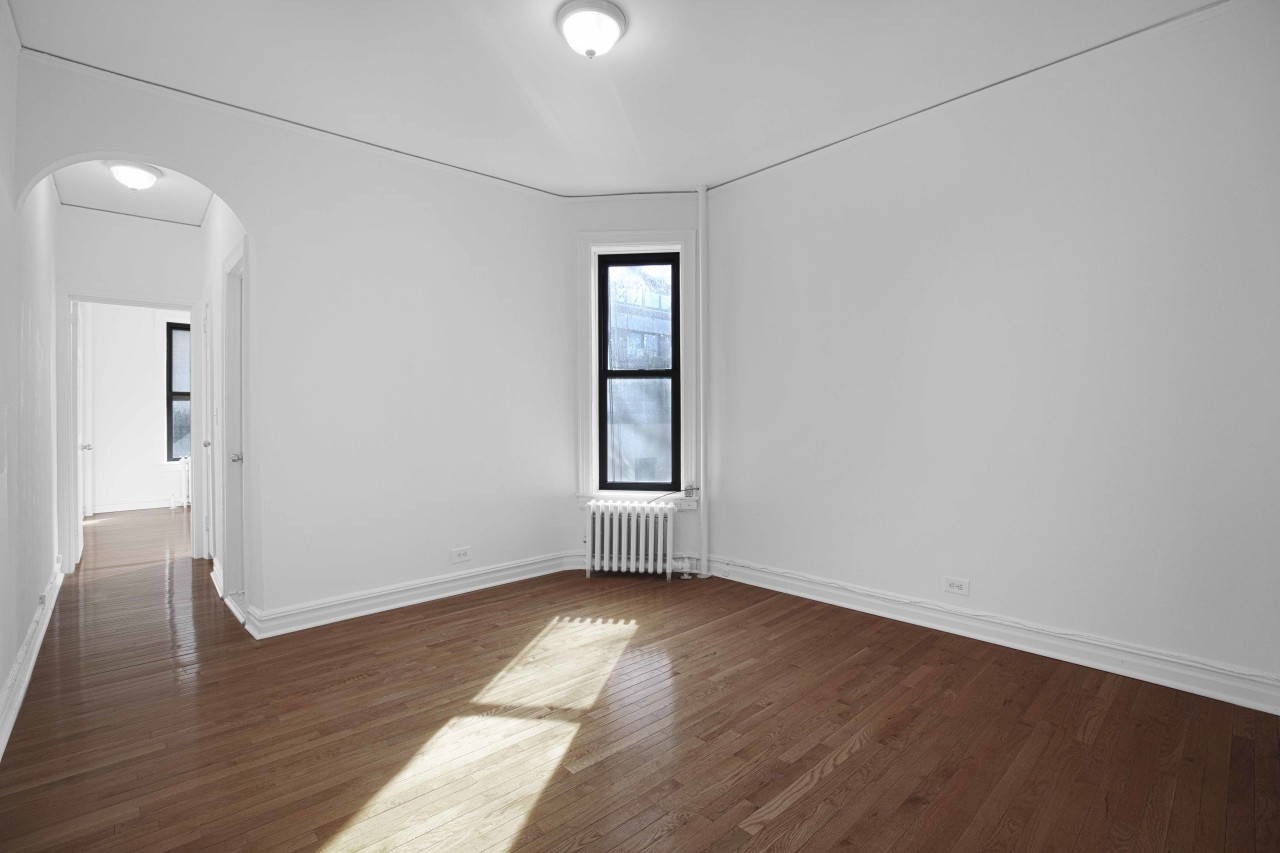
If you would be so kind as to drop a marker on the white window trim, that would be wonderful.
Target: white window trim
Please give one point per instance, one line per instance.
(592, 244)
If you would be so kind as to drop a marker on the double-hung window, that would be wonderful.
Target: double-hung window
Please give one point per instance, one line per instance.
(639, 371)
(177, 384)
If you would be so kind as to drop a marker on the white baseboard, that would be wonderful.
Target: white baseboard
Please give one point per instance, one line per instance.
(134, 505)
(1240, 686)
(270, 623)
(15, 685)
(234, 607)
(216, 574)
(229, 600)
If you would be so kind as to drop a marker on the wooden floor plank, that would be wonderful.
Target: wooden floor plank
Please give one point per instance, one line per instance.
(1266, 784)
(634, 714)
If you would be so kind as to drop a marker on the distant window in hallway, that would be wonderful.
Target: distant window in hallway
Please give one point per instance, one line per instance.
(178, 389)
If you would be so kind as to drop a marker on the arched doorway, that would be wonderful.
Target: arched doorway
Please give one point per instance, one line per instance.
(174, 249)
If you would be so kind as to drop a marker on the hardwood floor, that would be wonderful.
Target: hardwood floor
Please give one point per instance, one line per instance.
(612, 714)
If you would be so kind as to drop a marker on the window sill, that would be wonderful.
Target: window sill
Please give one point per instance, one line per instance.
(682, 503)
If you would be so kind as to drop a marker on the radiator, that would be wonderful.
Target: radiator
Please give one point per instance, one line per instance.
(630, 536)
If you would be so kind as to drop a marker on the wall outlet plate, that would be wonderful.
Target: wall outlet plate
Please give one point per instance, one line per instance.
(956, 586)
(460, 555)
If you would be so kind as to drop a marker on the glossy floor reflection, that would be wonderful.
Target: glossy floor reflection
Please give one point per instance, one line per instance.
(608, 714)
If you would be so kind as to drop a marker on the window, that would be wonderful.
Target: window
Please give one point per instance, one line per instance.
(639, 371)
(178, 389)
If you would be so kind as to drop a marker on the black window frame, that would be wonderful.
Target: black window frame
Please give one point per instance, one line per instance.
(169, 394)
(604, 372)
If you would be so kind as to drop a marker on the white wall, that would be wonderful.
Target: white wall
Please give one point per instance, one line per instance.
(128, 259)
(31, 567)
(15, 610)
(658, 212)
(31, 479)
(1030, 339)
(27, 535)
(126, 361)
(411, 341)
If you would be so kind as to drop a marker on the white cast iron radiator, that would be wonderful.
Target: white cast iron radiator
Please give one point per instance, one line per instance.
(630, 536)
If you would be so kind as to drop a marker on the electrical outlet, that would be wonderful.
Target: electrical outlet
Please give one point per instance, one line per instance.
(957, 586)
(460, 555)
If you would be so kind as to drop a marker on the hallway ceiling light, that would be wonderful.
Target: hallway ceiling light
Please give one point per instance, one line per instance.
(591, 27)
(135, 176)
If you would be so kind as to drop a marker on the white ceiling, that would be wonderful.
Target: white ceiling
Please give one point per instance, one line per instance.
(697, 91)
(173, 198)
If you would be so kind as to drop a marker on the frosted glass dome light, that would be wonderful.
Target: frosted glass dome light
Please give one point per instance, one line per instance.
(591, 27)
(135, 176)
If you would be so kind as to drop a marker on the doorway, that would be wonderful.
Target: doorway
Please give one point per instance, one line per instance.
(176, 247)
(131, 399)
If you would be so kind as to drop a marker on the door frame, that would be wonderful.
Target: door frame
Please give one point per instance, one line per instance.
(231, 343)
(81, 400)
(208, 485)
(74, 417)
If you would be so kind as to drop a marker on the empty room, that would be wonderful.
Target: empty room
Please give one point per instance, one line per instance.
(557, 425)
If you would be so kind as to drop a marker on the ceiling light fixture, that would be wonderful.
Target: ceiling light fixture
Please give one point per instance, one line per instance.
(135, 176)
(591, 27)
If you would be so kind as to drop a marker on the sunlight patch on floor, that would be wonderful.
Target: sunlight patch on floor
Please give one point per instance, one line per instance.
(477, 777)
(474, 784)
(566, 666)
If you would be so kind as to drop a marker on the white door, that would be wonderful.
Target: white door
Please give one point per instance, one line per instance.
(82, 337)
(232, 450)
(207, 458)
(77, 503)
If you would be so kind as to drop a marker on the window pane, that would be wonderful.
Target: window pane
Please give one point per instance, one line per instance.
(639, 430)
(181, 414)
(640, 317)
(180, 344)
